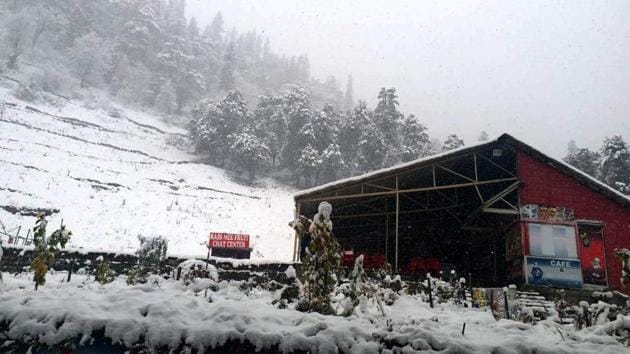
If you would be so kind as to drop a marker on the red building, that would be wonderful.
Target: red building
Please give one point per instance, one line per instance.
(496, 212)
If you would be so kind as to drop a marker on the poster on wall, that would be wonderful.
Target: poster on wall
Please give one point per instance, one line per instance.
(592, 254)
(533, 212)
(553, 272)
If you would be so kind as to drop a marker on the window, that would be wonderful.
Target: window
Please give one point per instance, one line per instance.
(552, 240)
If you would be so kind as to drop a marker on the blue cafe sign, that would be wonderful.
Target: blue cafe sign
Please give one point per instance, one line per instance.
(553, 272)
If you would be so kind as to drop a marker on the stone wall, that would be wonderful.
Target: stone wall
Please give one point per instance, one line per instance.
(17, 259)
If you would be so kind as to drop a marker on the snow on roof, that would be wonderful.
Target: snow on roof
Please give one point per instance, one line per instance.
(569, 169)
(394, 168)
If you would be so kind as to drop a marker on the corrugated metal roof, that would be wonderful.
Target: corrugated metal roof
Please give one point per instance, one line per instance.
(504, 138)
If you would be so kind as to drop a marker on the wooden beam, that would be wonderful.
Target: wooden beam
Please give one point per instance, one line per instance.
(475, 214)
(411, 190)
(414, 211)
(296, 240)
(500, 211)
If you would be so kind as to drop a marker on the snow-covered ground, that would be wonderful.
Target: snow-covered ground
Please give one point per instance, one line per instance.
(169, 313)
(115, 178)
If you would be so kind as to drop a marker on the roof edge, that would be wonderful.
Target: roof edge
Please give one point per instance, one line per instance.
(562, 166)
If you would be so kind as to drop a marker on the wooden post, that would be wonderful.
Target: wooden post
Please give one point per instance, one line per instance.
(397, 221)
(296, 237)
(70, 270)
(387, 238)
(505, 300)
(208, 258)
(430, 291)
(179, 272)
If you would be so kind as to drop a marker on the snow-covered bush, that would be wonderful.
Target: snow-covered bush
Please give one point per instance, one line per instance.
(46, 249)
(290, 292)
(48, 81)
(321, 262)
(193, 269)
(104, 274)
(151, 256)
(28, 92)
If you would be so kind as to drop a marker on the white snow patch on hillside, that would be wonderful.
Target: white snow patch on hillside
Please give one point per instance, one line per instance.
(116, 178)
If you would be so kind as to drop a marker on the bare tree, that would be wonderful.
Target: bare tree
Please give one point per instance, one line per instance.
(17, 33)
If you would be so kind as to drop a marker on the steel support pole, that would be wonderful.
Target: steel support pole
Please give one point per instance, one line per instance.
(397, 221)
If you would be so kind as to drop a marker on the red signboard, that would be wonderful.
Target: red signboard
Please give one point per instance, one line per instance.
(229, 241)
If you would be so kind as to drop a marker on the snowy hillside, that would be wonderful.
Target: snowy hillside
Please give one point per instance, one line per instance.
(113, 179)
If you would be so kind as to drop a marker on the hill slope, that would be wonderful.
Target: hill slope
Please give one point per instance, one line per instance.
(115, 178)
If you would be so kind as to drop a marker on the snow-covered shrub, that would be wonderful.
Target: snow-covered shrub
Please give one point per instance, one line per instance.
(46, 249)
(321, 262)
(151, 256)
(195, 269)
(104, 274)
(290, 292)
(28, 92)
(444, 291)
(359, 289)
(48, 81)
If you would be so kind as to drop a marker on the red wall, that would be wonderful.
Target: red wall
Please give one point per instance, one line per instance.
(544, 185)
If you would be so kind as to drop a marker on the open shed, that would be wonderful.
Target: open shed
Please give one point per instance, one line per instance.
(496, 211)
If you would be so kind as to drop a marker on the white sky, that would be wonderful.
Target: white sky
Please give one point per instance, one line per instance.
(544, 71)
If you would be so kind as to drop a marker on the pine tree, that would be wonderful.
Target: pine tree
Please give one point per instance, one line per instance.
(372, 149)
(452, 142)
(90, 58)
(166, 100)
(227, 81)
(572, 147)
(16, 35)
(332, 165)
(615, 163)
(249, 153)
(325, 128)
(297, 112)
(585, 160)
(387, 119)
(415, 140)
(193, 29)
(308, 165)
(351, 132)
(270, 124)
(215, 125)
(140, 35)
(214, 31)
(348, 98)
